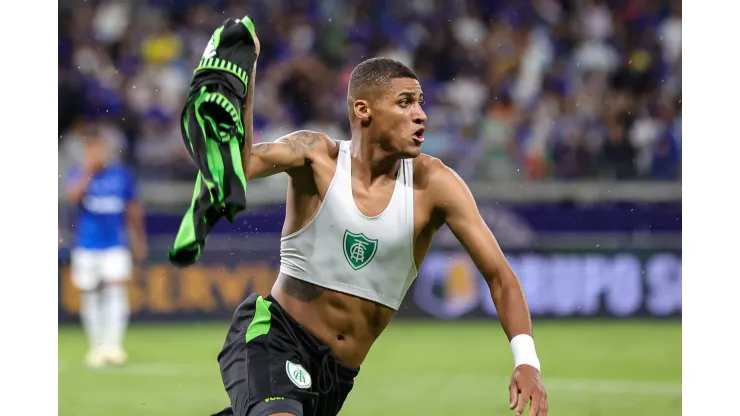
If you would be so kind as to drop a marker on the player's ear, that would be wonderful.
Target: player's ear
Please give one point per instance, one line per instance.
(362, 112)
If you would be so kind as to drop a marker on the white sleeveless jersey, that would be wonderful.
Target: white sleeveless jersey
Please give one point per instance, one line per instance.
(344, 250)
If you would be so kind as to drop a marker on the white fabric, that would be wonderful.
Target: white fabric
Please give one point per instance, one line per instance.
(91, 315)
(522, 347)
(115, 313)
(344, 250)
(90, 268)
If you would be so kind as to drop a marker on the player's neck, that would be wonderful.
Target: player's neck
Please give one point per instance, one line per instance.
(370, 161)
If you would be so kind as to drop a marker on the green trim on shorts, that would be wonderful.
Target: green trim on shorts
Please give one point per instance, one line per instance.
(260, 324)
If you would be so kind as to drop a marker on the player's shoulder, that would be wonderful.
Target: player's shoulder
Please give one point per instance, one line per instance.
(314, 143)
(432, 173)
(439, 184)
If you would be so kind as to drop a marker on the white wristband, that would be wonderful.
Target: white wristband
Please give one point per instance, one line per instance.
(522, 347)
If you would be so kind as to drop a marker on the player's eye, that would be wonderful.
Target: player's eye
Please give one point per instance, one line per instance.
(404, 102)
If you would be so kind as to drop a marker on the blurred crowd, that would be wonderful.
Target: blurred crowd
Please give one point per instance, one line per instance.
(514, 89)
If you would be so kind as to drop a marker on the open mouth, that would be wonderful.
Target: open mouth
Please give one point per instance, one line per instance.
(419, 135)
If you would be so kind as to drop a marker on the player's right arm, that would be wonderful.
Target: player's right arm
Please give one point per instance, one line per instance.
(77, 183)
(292, 151)
(76, 190)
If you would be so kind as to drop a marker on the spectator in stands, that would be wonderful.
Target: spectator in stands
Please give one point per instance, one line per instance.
(523, 90)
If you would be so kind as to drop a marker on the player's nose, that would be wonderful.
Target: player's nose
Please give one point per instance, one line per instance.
(420, 116)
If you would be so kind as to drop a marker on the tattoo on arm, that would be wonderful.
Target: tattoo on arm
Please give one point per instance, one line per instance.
(282, 155)
(263, 148)
(302, 142)
(303, 291)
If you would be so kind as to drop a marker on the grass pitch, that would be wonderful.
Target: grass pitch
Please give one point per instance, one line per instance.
(591, 368)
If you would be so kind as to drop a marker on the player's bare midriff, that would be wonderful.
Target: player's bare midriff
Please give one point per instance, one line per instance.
(348, 324)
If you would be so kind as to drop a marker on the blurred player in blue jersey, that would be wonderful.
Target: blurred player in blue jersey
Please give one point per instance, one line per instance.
(108, 228)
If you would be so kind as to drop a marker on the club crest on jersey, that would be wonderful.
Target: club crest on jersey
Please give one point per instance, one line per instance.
(298, 375)
(358, 249)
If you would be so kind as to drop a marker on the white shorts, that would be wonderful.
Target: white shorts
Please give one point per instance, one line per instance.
(90, 268)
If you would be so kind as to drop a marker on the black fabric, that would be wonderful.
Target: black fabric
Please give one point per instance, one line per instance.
(254, 372)
(230, 44)
(213, 132)
(267, 408)
(220, 189)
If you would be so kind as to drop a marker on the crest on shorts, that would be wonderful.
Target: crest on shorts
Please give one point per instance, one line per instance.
(298, 375)
(358, 249)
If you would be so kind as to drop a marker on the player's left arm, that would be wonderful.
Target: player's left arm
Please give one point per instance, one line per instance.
(456, 204)
(135, 220)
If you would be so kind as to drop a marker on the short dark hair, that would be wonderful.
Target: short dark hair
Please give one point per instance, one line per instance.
(377, 72)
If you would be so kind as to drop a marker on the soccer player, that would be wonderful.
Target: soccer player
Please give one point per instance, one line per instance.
(108, 221)
(359, 221)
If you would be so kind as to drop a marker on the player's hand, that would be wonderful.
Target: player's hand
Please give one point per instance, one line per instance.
(256, 42)
(93, 165)
(256, 45)
(526, 384)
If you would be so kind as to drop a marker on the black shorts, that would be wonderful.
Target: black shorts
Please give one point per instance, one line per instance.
(271, 364)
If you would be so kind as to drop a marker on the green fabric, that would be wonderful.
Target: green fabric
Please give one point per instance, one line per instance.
(216, 139)
(260, 324)
(213, 133)
(246, 21)
(221, 65)
(185, 241)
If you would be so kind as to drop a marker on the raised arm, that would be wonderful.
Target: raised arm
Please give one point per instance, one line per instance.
(288, 152)
(77, 186)
(457, 205)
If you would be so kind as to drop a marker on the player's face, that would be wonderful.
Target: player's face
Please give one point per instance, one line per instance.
(398, 119)
(95, 151)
